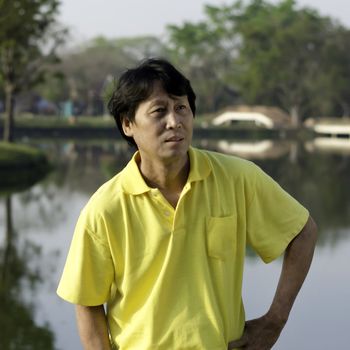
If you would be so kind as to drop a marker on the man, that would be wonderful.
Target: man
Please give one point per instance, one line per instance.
(163, 242)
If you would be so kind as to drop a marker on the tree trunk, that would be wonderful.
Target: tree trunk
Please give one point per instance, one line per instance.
(346, 109)
(9, 114)
(9, 242)
(295, 115)
(294, 153)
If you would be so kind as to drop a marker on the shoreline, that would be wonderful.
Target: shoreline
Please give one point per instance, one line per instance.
(21, 166)
(111, 132)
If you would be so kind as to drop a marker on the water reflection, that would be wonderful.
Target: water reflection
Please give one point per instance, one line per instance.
(18, 327)
(262, 149)
(38, 224)
(332, 145)
(318, 180)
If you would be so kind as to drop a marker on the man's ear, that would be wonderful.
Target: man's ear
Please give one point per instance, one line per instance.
(127, 127)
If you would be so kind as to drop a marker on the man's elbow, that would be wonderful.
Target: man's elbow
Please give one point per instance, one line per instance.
(308, 235)
(311, 228)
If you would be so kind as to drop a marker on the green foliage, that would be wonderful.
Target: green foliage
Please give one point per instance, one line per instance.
(205, 55)
(331, 93)
(280, 53)
(88, 73)
(19, 155)
(270, 54)
(252, 52)
(21, 166)
(26, 38)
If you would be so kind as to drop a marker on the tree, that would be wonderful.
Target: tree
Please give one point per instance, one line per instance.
(29, 37)
(271, 54)
(280, 54)
(205, 54)
(88, 70)
(331, 93)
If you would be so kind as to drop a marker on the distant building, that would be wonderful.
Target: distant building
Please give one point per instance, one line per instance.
(264, 116)
(334, 127)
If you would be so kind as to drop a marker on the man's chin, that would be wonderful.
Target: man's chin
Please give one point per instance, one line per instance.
(174, 152)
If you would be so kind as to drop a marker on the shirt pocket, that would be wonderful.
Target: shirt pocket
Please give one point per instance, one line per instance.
(221, 236)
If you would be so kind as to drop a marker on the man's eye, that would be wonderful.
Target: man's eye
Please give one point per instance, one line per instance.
(159, 110)
(181, 107)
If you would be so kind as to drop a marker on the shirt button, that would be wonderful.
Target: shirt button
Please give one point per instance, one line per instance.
(167, 213)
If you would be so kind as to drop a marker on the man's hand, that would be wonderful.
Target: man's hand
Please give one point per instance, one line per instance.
(259, 334)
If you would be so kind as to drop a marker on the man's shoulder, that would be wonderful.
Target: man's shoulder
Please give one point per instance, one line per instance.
(228, 163)
(110, 187)
(106, 196)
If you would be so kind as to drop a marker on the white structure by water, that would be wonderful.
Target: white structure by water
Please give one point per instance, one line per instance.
(268, 117)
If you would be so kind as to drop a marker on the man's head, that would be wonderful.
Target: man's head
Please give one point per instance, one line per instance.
(137, 84)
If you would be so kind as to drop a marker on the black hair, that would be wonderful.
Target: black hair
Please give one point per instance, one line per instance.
(136, 85)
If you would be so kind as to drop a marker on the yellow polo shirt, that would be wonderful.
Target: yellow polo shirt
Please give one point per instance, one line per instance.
(172, 278)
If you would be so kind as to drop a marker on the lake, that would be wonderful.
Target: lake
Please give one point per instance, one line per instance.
(36, 227)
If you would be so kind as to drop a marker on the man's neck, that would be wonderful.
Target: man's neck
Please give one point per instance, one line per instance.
(169, 177)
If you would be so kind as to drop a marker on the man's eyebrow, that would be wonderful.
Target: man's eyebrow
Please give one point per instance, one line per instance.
(157, 100)
(178, 98)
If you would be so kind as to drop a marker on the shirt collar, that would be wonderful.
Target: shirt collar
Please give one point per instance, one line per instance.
(133, 182)
(199, 165)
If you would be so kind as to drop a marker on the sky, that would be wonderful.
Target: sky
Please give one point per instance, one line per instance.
(126, 18)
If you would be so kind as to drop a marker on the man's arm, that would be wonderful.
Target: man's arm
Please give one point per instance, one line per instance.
(262, 333)
(93, 329)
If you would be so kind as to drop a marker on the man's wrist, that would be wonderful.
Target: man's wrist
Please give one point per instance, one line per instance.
(277, 316)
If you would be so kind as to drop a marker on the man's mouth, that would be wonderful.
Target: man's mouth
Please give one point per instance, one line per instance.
(174, 139)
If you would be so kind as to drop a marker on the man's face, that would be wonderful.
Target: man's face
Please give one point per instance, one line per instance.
(163, 125)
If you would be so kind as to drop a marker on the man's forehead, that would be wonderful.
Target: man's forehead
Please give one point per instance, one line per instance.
(159, 93)
(164, 98)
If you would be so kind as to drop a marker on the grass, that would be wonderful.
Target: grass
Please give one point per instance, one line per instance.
(29, 121)
(19, 156)
(21, 166)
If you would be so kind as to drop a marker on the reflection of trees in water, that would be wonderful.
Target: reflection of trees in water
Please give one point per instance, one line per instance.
(83, 166)
(248, 149)
(320, 182)
(18, 328)
(79, 168)
(44, 202)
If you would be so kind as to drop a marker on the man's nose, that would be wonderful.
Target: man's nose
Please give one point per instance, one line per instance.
(173, 120)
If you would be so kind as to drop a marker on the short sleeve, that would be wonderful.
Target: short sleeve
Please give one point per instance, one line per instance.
(88, 273)
(274, 217)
